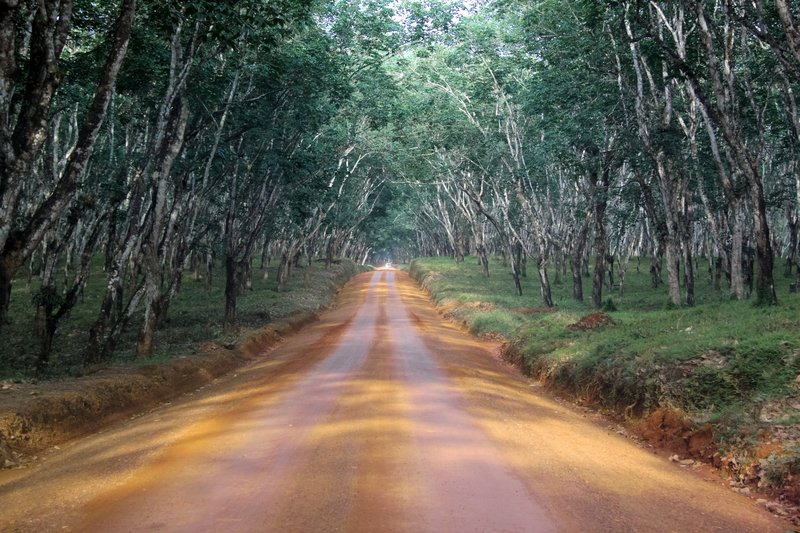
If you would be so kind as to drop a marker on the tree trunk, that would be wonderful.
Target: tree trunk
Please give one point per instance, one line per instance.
(544, 281)
(265, 255)
(673, 271)
(329, 250)
(96, 349)
(46, 344)
(737, 244)
(718, 110)
(114, 315)
(458, 251)
(162, 304)
(600, 186)
(210, 268)
(283, 271)
(515, 269)
(765, 261)
(688, 274)
(599, 274)
(6, 278)
(797, 271)
(576, 260)
(576, 264)
(483, 259)
(655, 268)
(231, 293)
(144, 346)
(517, 282)
(792, 222)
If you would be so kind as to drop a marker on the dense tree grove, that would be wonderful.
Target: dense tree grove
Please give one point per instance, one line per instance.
(580, 135)
(174, 137)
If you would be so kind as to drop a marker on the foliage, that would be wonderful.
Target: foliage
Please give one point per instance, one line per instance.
(570, 138)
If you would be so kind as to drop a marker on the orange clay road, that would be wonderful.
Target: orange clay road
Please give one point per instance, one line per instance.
(381, 417)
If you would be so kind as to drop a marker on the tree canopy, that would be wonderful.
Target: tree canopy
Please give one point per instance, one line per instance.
(162, 136)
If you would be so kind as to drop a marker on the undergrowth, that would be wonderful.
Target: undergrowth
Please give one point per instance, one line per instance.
(195, 316)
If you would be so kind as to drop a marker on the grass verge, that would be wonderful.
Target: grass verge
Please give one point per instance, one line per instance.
(718, 381)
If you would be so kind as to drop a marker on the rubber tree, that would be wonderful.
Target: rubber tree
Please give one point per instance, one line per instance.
(582, 128)
(24, 113)
(726, 99)
(655, 105)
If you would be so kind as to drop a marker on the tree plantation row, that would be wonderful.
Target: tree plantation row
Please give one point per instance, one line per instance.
(150, 139)
(570, 133)
(163, 136)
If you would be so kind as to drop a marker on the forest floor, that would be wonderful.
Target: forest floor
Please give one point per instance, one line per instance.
(717, 383)
(37, 413)
(195, 316)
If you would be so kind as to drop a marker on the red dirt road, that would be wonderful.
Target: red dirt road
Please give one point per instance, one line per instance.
(380, 417)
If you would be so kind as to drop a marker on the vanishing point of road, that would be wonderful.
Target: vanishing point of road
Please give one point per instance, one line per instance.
(380, 417)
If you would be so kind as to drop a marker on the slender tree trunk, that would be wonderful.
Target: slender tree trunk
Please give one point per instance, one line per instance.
(46, 344)
(144, 346)
(576, 260)
(797, 271)
(599, 273)
(792, 221)
(114, 315)
(6, 278)
(521, 260)
(264, 255)
(231, 293)
(329, 250)
(483, 259)
(544, 282)
(283, 271)
(576, 264)
(512, 262)
(99, 331)
(688, 274)
(765, 260)
(719, 112)
(655, 266)
(162, 304)
(515, 269)
(673, 271)
(517, 282)
(458, 250)
(600, 185)
(737, 244)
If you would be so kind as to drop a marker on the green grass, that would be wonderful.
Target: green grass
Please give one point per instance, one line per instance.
(195, 316)
(717, 358)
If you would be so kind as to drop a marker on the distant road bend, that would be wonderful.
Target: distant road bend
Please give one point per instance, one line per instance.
(380, 417)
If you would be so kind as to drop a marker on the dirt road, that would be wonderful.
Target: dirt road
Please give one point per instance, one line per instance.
(378, 418)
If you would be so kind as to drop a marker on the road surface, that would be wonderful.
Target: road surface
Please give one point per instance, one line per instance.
(380, 417)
